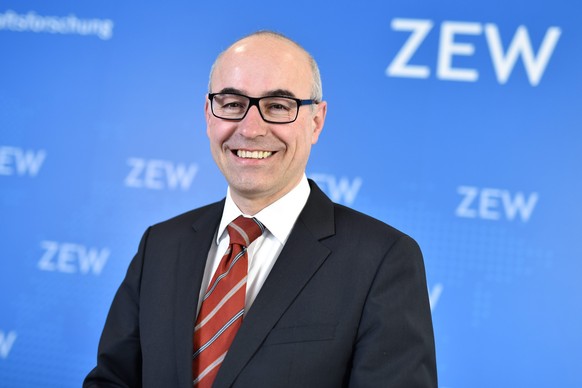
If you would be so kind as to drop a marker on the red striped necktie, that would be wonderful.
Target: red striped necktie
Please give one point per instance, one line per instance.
(223, 305)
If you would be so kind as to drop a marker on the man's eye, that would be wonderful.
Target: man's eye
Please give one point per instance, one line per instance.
(232, 105)
(279, 107)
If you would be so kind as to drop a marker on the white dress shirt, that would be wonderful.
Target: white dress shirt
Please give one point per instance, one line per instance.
(278, 218)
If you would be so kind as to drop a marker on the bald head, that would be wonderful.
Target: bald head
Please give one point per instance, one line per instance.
(272, 43)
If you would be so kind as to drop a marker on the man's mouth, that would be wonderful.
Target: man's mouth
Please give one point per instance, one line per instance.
(253, 154)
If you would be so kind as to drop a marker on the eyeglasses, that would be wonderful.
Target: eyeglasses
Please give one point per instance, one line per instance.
(273, 109)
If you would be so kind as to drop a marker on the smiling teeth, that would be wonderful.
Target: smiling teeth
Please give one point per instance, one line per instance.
(253, 154)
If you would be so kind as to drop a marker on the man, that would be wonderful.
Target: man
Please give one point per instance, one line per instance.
(332, 298)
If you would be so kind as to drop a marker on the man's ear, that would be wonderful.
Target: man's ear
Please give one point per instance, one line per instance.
(318, 121)
(207, 112)
(207, 109)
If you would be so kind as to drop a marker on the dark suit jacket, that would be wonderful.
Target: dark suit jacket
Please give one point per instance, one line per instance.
(344, 305)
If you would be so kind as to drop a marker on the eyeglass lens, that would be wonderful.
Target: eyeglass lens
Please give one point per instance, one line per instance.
(234, 107)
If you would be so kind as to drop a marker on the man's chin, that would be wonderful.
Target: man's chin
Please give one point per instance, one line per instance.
(255, 190)
(249, 189)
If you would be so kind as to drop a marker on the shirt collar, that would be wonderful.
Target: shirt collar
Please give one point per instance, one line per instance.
(279, 217)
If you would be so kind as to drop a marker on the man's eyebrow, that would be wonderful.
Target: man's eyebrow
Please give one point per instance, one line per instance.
(231, 90)
(280, 93)
(270, 93)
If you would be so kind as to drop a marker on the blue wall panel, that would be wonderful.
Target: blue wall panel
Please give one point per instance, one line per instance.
(459, 124)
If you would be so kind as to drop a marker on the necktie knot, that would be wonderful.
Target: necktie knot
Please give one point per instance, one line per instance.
(244, 231)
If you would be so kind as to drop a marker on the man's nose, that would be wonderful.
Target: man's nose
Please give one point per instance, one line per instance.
(253, 124)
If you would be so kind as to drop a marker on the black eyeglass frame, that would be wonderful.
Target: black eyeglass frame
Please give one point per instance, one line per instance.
(254, 101)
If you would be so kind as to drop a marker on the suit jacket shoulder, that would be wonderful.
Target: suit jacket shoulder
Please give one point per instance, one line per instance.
(192, 218)
(345, 304)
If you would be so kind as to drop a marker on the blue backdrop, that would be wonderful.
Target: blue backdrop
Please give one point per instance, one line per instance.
(102, 134)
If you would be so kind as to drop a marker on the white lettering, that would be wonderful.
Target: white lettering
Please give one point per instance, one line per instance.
(489, 204)
(342, 190)
(72, 258)
(519, 205)
(46, 262)
(181, 175)
(14, 160)
(92, 260)
(11, 21)
(137, 166)
(469, 193)
(521, 46)
(399, 66)
(66, 261)
(493, 204)
(448, 48)
(158, 174)
(6, 342)
(154, 174)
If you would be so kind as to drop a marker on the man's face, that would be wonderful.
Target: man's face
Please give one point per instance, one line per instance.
(260, 66)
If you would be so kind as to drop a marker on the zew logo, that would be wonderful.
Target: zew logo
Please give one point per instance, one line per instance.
(504, 60)
(72, 258)
(158, 174)
(17, 161)
(6, 342)
(492, 204)
(340, 190)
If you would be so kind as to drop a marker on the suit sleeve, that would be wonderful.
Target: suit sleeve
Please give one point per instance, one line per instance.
(395, 342)
(119, 354)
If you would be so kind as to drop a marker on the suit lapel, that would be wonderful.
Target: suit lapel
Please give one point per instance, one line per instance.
(189, 274)
(301, 257)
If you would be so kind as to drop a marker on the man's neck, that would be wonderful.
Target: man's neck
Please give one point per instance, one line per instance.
(252, 204)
